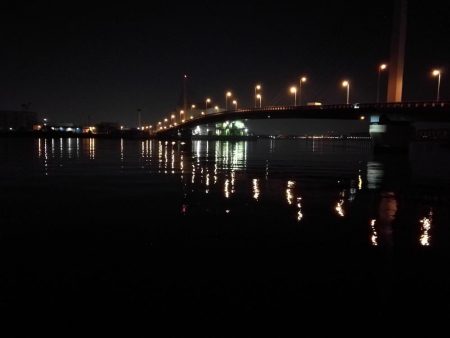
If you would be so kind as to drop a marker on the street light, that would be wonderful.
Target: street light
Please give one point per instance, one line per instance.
(259, 97)
(257, 88)
(235, 104)
(380, 69)
(181, 114)
(139, 117)
(294, 91)
(193, 106)
(437, 73)
(208, 100)
(347, 84)
(303, 79)
(227, 95)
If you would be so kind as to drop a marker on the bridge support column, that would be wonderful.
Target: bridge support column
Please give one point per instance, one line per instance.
(391, 136)
(185, 134)
(182, 134)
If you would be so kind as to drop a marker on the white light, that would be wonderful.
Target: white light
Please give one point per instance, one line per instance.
(436, 72)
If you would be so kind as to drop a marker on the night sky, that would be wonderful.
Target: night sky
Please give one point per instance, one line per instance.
(75, 64)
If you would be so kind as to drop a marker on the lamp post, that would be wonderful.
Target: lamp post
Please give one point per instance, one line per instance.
(257, 88)
(181, 115)
(208, 100)
(437, 73)
(235, 104)
(227, 95)
(347, 84)
(380, 69)
(139, 118)
(294, 91)
(303, 79)
(259, 97)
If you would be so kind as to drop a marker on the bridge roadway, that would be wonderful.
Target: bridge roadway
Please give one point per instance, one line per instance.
(404, 111)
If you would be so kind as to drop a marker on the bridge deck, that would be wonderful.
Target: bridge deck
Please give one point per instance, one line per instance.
(405, 111)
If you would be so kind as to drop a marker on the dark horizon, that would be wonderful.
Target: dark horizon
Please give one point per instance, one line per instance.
(104, 64)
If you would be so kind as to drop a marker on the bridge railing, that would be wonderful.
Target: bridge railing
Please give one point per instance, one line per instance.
(413, 105)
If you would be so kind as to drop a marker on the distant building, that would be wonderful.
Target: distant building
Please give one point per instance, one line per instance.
(228, 128)
(203, 130)
(59, 127)
(17, 120)
(233, 128)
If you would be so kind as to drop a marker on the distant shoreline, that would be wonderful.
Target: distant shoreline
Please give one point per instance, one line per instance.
(138, 135)
(141, 135)
(132, 135)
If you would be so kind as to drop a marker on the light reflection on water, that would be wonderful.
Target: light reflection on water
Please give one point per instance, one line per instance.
(302, 181)
(426, 223)
(340, 205)
(256, 191)
(374, 234)
(374, 174)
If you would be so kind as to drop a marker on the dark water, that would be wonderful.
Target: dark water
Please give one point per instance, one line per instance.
(128, 235)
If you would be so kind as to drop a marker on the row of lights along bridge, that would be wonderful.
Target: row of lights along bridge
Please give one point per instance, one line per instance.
(294, 90)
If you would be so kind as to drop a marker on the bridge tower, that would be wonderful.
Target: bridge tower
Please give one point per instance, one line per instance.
(387, 134)
(397, 59)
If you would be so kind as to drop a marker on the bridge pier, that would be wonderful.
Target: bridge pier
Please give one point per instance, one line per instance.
(182, 134)
(391, 135)
(185, 134)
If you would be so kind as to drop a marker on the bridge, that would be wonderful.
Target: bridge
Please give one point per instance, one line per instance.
(398, 111)
(390, 123)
